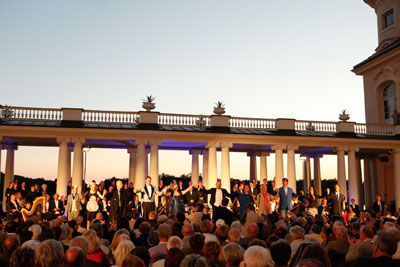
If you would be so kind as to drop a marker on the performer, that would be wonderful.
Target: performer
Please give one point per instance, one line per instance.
(148, 197)
(285, 198)
(56, 206)
(134, 206)
(312, 202)
(163, 206)
(12, 208)
(244, 199)
(119, 202)
(191, 196)
(264, 201)
(74, 204)
(217, 194)
(379, 207)
(177, 201)
(337, 201)
(92, 206)
(201, 193)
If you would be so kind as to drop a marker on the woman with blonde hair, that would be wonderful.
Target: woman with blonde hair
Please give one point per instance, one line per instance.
(116, 240)
(123, 249)
(94, 251)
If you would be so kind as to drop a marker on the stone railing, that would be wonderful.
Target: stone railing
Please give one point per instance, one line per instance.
(31, 114)
(315, 126)
(374, 129)
(169, 119)
(251, 123)
(98, 116)
(186, 120)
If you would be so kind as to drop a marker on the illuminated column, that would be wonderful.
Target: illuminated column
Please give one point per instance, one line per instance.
(77, 172)
(396, 171)
(278, 164)
(291, 166)
(212, 164)
(146, 163)
(353, 181)
(306, 174)
(225, 166)
(263, 166)
(132, 164)
(379, 178)
(374, 186)
(195, 166)
(341, 169)
(70, 149)
(63, 174)
(140, 163)
(359, 183)
(9, 171)
(154, 144)
(317, 174)
(205, 169)
(253, 165)
(367, 184)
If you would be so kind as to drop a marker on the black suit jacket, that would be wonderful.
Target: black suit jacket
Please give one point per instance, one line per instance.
(212, 191)
(375, 262)
(224, 214)
(191, 198)
(376, 208)
(336, 205)
(124, 194)
(10, 206)
(356, 210)
(52, 206)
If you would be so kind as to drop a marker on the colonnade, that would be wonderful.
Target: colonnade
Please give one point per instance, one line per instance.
(139, 167)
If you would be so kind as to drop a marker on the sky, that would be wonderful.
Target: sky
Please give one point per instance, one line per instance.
(263, 59)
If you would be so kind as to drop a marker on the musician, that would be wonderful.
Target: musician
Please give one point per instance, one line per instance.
(9, 191)
(244, 199)
(74, 205)
(337, 201)
(44, 190)
(134, 206)
(56, 206)
(355, 208)
(12, 208)
(148, 197)
(31, 195)
(48, 215)
(20, 200)
(201, 193)
(324, 208)
(163, 207)
(191, 196)
(264, 201)
(379, 206)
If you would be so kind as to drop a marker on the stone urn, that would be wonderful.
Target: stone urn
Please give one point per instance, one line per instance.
(148, 106)
(219, 111)
(344, 117)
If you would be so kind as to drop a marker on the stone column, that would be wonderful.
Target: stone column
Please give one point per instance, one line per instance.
(380, 178)
(146, 163)
(253, 165)
(317, 174)
(374, 180)
(63, 174)
(278, 164)
(9, 171)
(367, 184)
(396, 173)
(225, 166)
(140, 162)
(212, 164)
(291, 166)
(77, 172)
(70, 149)
(306, 174)
(360, 184)
(353, 181)
(154, 171)
(263, 166)
(132, 164)
(341, 169)
(205, 168)
(195, 166)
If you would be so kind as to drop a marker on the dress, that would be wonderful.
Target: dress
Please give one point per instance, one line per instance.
(92, 206)
(177, 204)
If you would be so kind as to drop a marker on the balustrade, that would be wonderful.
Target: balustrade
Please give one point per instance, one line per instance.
(315, 126)
(183, 120)
(31, 114)
(252, 123)
(374, 129)
(99, 116)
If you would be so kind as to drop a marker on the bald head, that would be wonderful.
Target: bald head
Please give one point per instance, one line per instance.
(74, 256)
(234, 235)
(187, 230)
(252, 230)
(11, 243)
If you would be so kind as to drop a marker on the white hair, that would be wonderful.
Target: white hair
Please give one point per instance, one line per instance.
(280, 224)
(388, 225)
(123, 248)
(256, 256)
(297, 232)
(36, 229)
(33, 244)
(174, 242)
(237, 225)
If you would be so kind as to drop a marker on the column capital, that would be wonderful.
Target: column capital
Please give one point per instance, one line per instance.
(63, 139)
(194, 152)
(316, 156)
(131, 150)
(252, 153)
(211, 144)
(78, 140)
(354, 149)
(341, 149)
(292, 147)
(155, 142)
(143, 141)
(227, 144)
(10, 146)
(263, 154)
(278, 146)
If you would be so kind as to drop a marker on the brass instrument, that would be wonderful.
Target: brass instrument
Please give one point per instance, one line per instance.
(38, 206)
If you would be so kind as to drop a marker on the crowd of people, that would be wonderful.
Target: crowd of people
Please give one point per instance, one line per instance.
(253, 224)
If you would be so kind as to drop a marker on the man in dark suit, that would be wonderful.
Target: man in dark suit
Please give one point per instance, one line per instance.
(56, 206)
(149, 193)
(217, 194)
(201, 193)
(337, 200)
(222, 212)
(379, 206)
(191, 197)
(119, 202)
(12, 207)
(355, 208)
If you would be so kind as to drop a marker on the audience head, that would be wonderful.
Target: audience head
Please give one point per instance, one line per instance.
(81, 242)
(256, 256)
(252, 230)
(123, 248)
(296, 232)
(197, 241)
(23, 257)
(36, 230)
(187, 230)
(174, 242)
(50, 253)
(74, 257)
(234, 235)
(206, 226)
(132, 261)
(385, 244)
(233, 254)
(143, 254)
(316, 252)
(194, 260)
(174, 257)
(164, 232)
(280, 252)
(211, 251)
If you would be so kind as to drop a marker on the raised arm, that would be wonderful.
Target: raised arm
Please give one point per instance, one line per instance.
(186, 190)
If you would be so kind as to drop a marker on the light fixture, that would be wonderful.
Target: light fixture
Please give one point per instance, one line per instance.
(303, 157)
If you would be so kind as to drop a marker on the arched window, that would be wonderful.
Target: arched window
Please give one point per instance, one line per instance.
(389, 102)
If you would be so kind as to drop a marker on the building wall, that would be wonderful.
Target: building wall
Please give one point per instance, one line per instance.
(381, 8)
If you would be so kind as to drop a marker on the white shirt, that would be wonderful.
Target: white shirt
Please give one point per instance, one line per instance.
(218, 197)
(285, 188)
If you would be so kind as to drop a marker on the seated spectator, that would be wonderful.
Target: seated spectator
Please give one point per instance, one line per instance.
(280, 253)
(252, 233)
(234, 236)
(256, 256)
(364, 246)
(81, 242)
(22, 257)
(194, 260)
(315, 235)
(158, 252)
(187, 232)
(196, 244)
(124, 248)
(133, 261)
(74, 257)
(313, 251)
(337, 249)
(257, 242)
(173, 242)
(36, 231)
(94, 252)
(173, 257)
(142, 240)
(143, 254)
(196, 216)
(233, 254)
(33, 244)
(222, 234)
(10, 244)
(115, 241)
(249, 217)
(211, 252)
(50, 253)
(296, 238)
(206, 228)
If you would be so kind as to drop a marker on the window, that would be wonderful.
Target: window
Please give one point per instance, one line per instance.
(388, 18)
(389, 102)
